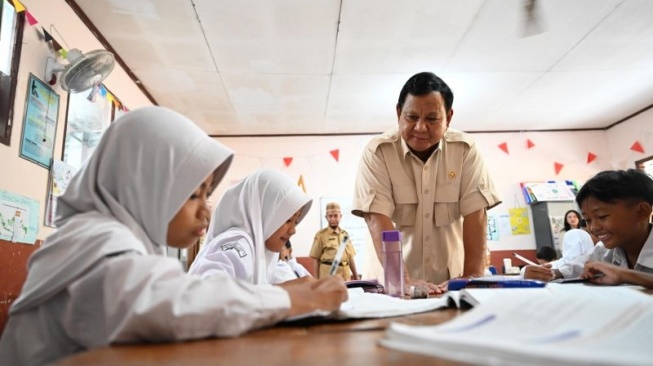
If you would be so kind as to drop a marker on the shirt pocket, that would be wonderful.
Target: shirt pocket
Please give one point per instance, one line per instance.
(446, 204)
(405, 199)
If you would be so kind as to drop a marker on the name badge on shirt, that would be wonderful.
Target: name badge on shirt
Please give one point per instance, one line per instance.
(237, 247)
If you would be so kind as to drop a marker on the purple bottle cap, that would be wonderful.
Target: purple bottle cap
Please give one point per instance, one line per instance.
(391, 235)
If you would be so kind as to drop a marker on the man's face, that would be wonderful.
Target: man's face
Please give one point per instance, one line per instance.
(423, 120)
(333, 217)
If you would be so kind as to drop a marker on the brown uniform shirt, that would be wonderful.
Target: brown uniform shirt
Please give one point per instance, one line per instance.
(426, 201)
(325, 246)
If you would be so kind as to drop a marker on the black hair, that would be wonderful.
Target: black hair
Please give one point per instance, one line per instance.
(618, 185)
(546, 253)
(582, 224)
(425, 83)
(568, 227)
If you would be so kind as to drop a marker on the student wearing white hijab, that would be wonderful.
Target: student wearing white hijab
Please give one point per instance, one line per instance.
(250, 225)
(100, 278)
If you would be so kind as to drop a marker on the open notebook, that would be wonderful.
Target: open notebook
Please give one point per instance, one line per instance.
(363, 305)
(559, 324)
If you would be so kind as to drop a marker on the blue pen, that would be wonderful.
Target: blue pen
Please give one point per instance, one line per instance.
(338, 258)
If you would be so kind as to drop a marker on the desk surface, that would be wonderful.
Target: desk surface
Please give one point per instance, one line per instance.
(341, 343)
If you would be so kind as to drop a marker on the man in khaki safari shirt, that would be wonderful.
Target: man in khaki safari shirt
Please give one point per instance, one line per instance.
(430, 182)
(326, 244)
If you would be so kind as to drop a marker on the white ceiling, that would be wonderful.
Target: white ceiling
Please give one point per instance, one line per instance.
(243, 67)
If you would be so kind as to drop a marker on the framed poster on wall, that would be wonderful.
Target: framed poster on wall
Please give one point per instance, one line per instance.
(39, 122)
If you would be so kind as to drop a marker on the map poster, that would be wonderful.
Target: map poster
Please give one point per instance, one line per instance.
(19, 218)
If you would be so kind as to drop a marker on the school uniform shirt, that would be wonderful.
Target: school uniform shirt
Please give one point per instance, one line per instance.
(246, 216)
(426, 201)
(324, 249)
(297, 267)
(615, 256)
(287, 270)
(100, 278)
(577, 242)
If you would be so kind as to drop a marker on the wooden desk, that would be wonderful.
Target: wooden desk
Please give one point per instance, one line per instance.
(344, 343)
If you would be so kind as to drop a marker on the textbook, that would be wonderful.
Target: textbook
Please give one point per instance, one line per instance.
(493, 282)
(556, 325)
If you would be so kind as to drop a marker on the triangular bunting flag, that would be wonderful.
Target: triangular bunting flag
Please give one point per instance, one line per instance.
(39, 34)
(19, 7)
(529, 143)
(63, 53)
(300, 183)
(637, 147)
(30, 19)
(504, 147)
(287, 161)
(590, 157)
(335, 153)
(56, 45)
(47, 37)
(558, 167)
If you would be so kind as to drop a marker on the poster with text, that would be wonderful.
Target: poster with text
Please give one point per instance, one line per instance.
(19, 218)
(60, 175)
(519, 222)
(39, 122)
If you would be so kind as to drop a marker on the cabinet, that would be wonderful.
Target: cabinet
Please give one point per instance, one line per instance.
(548, 220)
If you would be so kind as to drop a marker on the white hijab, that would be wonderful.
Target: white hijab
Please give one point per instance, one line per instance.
(254, 209)
(145, 167)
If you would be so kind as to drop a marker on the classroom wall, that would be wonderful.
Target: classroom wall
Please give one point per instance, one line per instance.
(22, 176)
(27, 178)
(324, 176)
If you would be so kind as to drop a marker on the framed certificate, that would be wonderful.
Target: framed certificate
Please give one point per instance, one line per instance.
(39, 122)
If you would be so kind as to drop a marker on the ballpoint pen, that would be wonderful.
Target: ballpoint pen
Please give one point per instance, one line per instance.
(338, 258)
(525, 260)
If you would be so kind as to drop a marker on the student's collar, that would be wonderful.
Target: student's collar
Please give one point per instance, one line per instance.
(645, 257)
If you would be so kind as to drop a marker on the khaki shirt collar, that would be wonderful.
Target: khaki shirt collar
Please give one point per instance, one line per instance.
(405, 150)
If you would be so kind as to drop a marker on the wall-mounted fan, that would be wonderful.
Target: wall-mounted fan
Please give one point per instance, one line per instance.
(83, 71)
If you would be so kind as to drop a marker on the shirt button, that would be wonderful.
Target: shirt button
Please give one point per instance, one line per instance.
(427, 238)
(427, 215)
(426, 167)
(426, 191)
(428, 260)
(371, 191)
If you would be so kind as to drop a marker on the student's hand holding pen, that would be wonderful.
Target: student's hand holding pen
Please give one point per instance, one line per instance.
(311, 295)
(540, 272)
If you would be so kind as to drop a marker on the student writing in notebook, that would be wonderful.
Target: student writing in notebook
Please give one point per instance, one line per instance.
(287, 267)
(250, 225)
(617, 206)
(103, 277)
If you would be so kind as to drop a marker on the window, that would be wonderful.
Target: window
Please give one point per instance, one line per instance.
(11, 39)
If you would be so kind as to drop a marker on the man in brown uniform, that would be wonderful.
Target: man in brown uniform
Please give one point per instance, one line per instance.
(326, 244)
(431, 183)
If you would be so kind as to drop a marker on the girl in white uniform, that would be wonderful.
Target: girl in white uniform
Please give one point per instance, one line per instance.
(250, 225)
(102, 278)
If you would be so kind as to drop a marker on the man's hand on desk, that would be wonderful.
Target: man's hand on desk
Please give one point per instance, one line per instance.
(433, 288)
(311, 294)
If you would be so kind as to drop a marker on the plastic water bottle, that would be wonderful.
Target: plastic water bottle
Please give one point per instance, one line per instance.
(393, 263)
